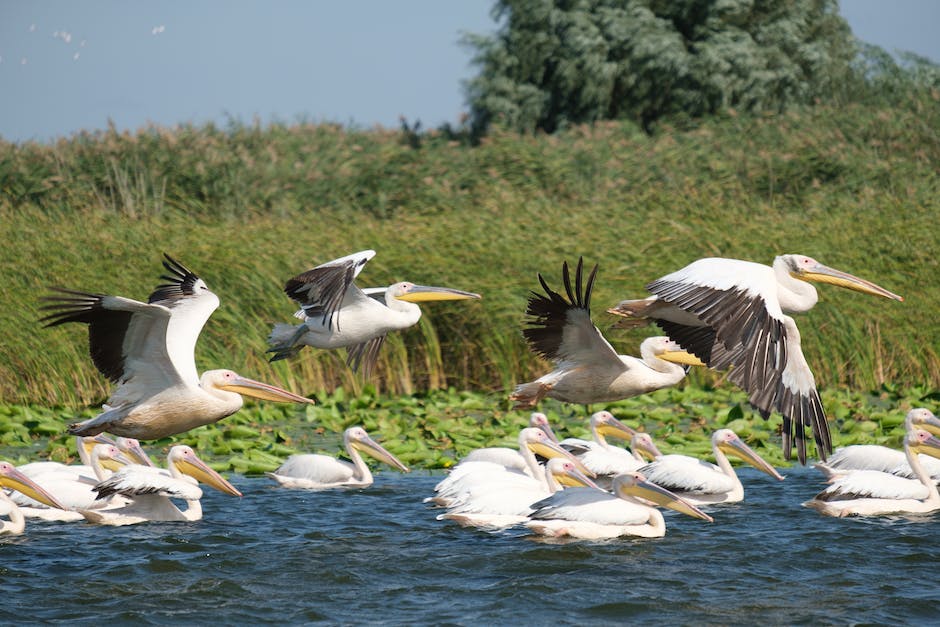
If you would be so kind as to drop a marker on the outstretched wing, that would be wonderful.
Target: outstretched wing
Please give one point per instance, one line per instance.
(321, 290)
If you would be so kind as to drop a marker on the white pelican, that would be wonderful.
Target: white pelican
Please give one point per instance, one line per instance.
(321, 472)
(13, 479)
(509, 457)
(592, 514)
(540, 421)
(147, 350)
(501, 504)
(587, 368)
(607, 461)
(732, 314)
(84, 446)
(875, 457)
(702, 483)
(871, 493)
(151, 490)
(337, 314)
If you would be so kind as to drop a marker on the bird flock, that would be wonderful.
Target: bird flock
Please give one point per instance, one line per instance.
(724, 314)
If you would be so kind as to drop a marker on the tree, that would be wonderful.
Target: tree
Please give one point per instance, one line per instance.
(557, 62)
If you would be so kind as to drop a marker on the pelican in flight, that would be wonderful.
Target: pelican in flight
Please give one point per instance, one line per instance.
(151, 490)
(733, 314)
(593, 514)
(322, 472)
(147, 350)
(608, 461)
(587, 368)
(13, 479)
(872, 493)
(338, 314)
(702, 483)
(875, 457)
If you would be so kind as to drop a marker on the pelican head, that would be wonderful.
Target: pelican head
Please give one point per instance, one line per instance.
(637, 485)
(924, 419)
(729, 442)
(13, 479)
(187, 462)
(110, 457)
(234, 382)
(357, 438)
(567, 474)
(808, 269)
(668, 350)
(409, 292)
(536, 441)
(603, 423)
(131, 447)
(86, 443)
(540, 421)
(642, 444)
(921, 441)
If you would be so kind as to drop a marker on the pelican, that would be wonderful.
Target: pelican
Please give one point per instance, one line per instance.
(732, 314)
(498, 505)
(337, 314)
(592, 514)
(540, 421)
(84, 446)
(507, 456)
(147, 350)
(151, 491)
(587, 368)
(702, 483)
(874, 457)
(321, 472)
(12, 479)
(607, 461)
(871, 493)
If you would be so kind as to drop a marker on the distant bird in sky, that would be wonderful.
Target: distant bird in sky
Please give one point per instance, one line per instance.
(732, 314)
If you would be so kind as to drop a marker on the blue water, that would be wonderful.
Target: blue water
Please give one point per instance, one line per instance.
(380, 556)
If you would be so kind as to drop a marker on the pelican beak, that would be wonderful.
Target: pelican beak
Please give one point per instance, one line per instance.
(931, 424)
(137, 453)
(928, 446)
(648, 490)
(549, 450)
(615, 429)
(200, 471)
(681, 357)
(15, 480)
(646, 449)
(824, 274)
(574, 478)
(115, 462)
(264, 391)
(739, 449)
(426, 293)
(377, 451)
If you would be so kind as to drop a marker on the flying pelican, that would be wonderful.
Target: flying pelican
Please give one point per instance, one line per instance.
(587, 368)
(13, 479)
(147, 350)
(497, 505)
(871, 493)
(608, 461)
(321, 472)
(874, 457)
(593, 514)
(337, 314)
(151, 491)
(732, 314)
(702, 483)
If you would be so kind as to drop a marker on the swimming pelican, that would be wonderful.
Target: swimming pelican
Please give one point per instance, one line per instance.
(83, 446)
(587, 368)
(732, 314)
(337, 314)
(151, 491)
(147, 350)
(13, 479)
(875, 457)
(509, 457)
(608, 461)
(702, 483)
(592, 514)
(321, 472)
(871, 493)
(501, 504)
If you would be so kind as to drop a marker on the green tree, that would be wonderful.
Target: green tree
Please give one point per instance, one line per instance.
(555, 62)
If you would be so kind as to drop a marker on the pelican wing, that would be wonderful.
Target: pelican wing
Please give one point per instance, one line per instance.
(316, 468)
(589, 505)
(561, 330)
(137, 481)
(320, 291)
(366, 353)
(746, 330)
(681, 473)
(609, 461)
(860, 484)
(867, 457)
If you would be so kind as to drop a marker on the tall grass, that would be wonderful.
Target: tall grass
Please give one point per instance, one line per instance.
(247, 207)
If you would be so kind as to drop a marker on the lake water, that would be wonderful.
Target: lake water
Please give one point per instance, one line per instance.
(380, 556)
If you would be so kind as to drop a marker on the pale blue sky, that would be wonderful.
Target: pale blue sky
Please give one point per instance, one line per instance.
(67, 65)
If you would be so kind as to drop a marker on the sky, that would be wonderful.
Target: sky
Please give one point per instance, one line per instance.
(68, 65)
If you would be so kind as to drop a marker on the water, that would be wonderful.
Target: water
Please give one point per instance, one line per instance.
(380, 556)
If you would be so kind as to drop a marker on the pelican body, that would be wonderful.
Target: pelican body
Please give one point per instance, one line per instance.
(733, 314)
(147, 350)
(587, 368)
(322, 472)
(608, 461)
(338, 314)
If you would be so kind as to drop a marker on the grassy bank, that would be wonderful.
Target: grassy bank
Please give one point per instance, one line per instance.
(248, 207)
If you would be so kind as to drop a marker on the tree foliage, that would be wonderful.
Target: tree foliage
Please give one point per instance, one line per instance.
(556, 62)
